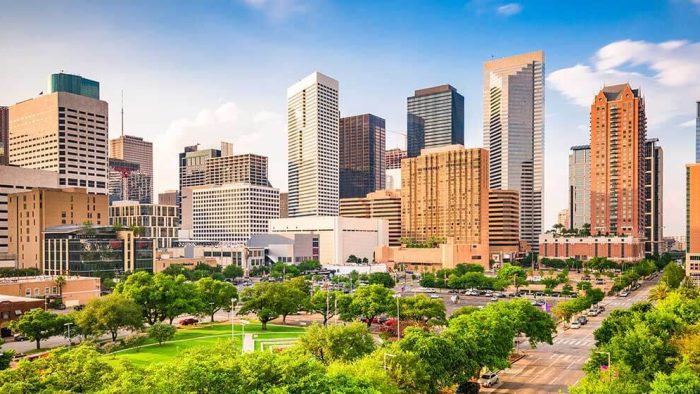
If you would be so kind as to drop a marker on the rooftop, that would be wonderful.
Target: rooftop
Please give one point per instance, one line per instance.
(7, 298)
(613, 92)
(434, 90)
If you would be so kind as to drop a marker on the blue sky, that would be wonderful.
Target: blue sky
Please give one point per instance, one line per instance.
(205, 71)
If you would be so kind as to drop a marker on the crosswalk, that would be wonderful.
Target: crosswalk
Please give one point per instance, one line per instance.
(588, 341)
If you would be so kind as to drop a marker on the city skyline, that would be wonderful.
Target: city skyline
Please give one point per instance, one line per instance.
(220, 105)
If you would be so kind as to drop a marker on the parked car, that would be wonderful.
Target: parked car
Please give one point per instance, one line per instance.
(188, 321)
(499, 295)
(434, 295)
(593, 312)
(600, 282)
(79, 307)
(575, 325)
(493, 298)
(600, 308)
(488, 379)
(582, 320)
(624, 294)
(20, 338)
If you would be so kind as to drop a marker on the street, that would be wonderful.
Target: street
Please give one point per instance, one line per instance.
(553, 368)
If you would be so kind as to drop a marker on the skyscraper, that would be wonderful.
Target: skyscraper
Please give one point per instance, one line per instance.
(134, 150)
(692, 225)
(393, 158)
(653, 194)
(435, 118)
(128, 183)
(514, 133)
(697, 133)
(362, 145)
(312, 127)
(4, 135)
(193, 165)
(580, 186)
(64, 131)
(618, 134)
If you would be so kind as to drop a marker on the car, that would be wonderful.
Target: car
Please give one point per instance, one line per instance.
(20, 338)
(600, 308)
(493, 298)
(575, 325)
(600, 282)
(434, 295)
(488, 379)
(624, 294)
(586, 277)
(79, 307)
(499, 295)
(593, 312)
(188, 321)
(539, 294)
(582, 320)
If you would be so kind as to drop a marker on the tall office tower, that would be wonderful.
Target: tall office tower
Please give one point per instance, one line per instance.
(4, 136)
(159, 222)
(580, 186)
(697, 133)
(435, 118)
(247, 168)
(504, 220)
(393, 158)
(128, 183)
(31, 212)
(514, 134)
(563, 218)
(362, 145)
(653, 194)
(135, 150)
(692, 226)
(168, 197)
(445, 193)
(63, 131)
(382, 204)
(193, 165)
(284, 205)
(312, 127)
(618, 133)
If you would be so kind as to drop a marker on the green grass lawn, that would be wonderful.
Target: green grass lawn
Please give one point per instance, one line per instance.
(202, 336)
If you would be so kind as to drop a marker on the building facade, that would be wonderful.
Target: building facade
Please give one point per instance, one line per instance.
(74, 84)
(77, 290)
(563, 218)
(313, 150)
(621, 249)
(580, 186)
(4, 136)
(653, 194)
(30, 213)
(445, 194)
(128, 182)
(514, 133)
(697, 133)
(692, 209)
(135, 150)
(393, 158)
(504, 221)
(361, 162)
(193, 165)
(65, 133)
(435, 118)
(382, 204)
(159, 222)
(246, 168)
(284, 205)
(168, 197)
(16, 180)
(618, 135)
(446, 255)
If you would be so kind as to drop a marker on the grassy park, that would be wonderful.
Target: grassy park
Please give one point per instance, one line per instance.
(207, 335)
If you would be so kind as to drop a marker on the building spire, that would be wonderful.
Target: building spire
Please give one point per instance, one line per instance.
(122, 113)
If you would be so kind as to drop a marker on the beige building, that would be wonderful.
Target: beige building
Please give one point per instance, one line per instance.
(160, 222)
(504, 224)
(15, 180)
(382, 204)
(446, 255)
(168, 197)
(77, 290)
(444, 194)
(134, 150)
(65, 133)
(284, 205)
(163, 262)
(32, 212)
(246, 168)
(563, 218)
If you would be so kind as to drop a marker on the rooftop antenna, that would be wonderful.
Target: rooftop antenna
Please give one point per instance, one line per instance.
(122, 113)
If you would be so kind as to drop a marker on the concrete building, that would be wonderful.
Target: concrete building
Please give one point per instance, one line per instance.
(193, 164)
(338, 237)
(93, 251)
(16, 180)
(4, 136)
(284, 205)
(229, 213)
(313, 150)
(286, 248)
(128, 182)
(692, 237)
(621, 249)
(393, 179)
(382, 204)
(169, 197)
(504, 221)
(159, 222)
(135, 150)
(618, 134)
(445, 194)
(580, 186)
(163, 262)
(447, 255)
(435, 118)
(362, 162)
(393, 158)
(563, 218)
(246, 168)
(30, 213)
(63, 132)
(653, 194)
(77, 290)
(514, 133)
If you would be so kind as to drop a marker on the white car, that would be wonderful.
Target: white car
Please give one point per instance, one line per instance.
(575, 325)
(434, 295)
(624, 294)
(593, 312)
(488, 379)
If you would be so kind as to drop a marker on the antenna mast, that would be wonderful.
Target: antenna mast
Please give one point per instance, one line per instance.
(122, 113)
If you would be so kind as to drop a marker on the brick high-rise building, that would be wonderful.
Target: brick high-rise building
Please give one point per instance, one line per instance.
(445, 193)
(435, 118)
(361, 163)
(4, 135)
(393, 158)
(32, 212)
(653, 194)
(504, 221)
(64, 131)
(618, 134)
(382, 204)
(135, 150)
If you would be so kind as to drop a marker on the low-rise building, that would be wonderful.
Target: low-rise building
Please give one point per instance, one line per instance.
(164, 261)
(13, 307)
(75, 290)
(626, 249)
(95, 251)
(159, 222)
(381, 204)
(338, 237)
(446, 255)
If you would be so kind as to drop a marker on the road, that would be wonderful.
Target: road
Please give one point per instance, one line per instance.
(553, 368)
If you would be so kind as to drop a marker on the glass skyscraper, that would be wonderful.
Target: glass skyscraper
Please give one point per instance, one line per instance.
(362, 150)
(435, 118)
(75, 84)
(697, 134)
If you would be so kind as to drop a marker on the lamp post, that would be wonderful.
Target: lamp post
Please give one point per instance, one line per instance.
(233, 300)
(609, 366)
(398, 316)
(212, 311)
(69, 337)
(243, 324)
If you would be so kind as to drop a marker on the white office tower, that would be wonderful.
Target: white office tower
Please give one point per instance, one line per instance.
(312, 127)
(514, 134)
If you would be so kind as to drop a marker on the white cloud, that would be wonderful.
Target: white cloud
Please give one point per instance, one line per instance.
(688, 123)
(249, 130)
(666, 72)
(279, 9)
(509, 9)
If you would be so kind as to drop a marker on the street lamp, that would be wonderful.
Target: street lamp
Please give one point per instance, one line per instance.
(243, 324)
(609, 366)
(69, 337)
(212, 311)
(398, 316)
(233, 300)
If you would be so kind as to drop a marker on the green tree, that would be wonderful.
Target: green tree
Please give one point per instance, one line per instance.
(215, 295)
(422, 308)
(325, 302)
(140, 287)
(5, 356)
(681, 381)
(232, 271)
(337, 342)
(180, 297)
(527, 319)
(109, 314)
(462, 269)
(265, 300)
(514, 275)
(368, 302)
(673, 275)
(382, 278)
(293, 300)
(38, 325)
(161, 332)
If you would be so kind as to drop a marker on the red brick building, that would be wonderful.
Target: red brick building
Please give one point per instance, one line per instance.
(621, 249)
